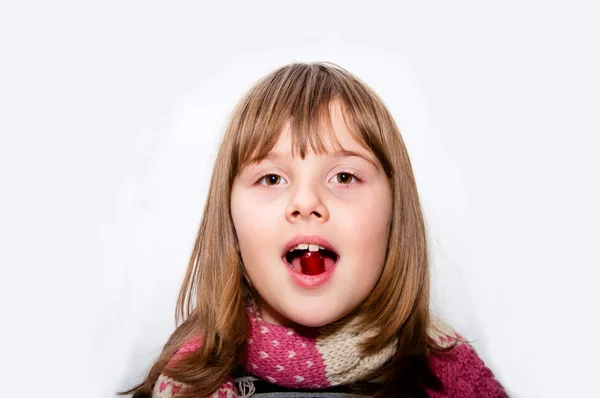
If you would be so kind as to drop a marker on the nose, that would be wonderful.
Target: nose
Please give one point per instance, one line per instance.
(305, 204)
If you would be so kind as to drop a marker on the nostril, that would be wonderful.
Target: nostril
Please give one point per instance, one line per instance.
(297, 214)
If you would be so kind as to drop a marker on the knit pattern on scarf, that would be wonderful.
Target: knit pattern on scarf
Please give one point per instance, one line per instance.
(330, 357)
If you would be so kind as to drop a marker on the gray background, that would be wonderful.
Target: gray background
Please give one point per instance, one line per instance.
(109, 117)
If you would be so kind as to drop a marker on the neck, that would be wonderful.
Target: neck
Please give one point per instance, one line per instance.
(269, 314)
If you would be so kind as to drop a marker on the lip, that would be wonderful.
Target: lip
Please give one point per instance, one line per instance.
(310, 281)
(314, 239)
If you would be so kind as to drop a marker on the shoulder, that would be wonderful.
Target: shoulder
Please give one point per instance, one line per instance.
(192, 345)
(461, 370)
(167, 387)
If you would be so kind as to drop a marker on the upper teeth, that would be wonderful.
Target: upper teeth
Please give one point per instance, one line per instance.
(310, 247)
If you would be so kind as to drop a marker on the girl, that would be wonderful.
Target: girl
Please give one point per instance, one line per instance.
(309, 275)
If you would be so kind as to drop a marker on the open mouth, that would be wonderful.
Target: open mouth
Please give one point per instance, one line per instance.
(310, 259)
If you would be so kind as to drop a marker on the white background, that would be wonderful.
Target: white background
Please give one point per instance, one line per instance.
(110, 114)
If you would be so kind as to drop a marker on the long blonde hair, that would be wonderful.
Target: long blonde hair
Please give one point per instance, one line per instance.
(213, 297)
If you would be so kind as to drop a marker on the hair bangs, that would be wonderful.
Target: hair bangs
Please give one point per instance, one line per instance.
(300, 100)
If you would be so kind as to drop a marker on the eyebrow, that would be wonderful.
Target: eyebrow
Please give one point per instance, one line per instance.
(337, 154)
(347, 153)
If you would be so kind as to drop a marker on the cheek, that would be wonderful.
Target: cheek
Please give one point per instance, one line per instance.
(367, 226)
(369, 216)
(255, 219)
(242, 210)
(370, 235)
(242, 217)
(253, 228)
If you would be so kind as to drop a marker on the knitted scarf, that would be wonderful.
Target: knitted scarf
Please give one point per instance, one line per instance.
(328, 358)
(286, 357)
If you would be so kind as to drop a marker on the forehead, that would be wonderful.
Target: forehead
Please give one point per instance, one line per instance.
(334, 140)
(328, 133)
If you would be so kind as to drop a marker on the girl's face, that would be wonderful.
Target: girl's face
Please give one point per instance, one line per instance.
(340, 201)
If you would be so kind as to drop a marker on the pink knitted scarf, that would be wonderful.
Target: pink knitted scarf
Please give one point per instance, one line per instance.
(330, 357)
(283, 356)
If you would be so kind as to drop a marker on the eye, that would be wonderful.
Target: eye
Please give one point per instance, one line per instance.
(270, 179)
(344, 178)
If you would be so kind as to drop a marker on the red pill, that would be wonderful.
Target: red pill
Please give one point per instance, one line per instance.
(312, 263)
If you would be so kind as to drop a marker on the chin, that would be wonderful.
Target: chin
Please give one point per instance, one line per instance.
(314, 317)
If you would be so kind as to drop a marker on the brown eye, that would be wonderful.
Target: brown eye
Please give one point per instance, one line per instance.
(344, 178)
(270, 179)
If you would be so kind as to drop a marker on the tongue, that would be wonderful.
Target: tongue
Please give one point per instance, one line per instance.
(312, 263)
